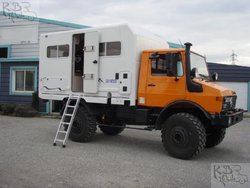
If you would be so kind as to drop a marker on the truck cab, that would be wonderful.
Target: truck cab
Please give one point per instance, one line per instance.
(179, 80)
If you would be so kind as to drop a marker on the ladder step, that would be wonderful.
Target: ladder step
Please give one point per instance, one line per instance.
(68, 114)
(70, 106)
(65, 123)
(59, 140)
(64, 132)
(73, 98)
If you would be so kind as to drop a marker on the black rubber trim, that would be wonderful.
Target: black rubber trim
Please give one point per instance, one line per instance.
(222, 120)
(191, 86)
(161, 118)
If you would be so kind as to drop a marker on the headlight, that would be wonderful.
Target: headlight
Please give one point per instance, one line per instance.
(228, 103)
(228, 100)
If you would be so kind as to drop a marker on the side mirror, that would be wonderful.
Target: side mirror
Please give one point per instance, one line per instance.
(179, 68)
(215, 76)
(194, 72)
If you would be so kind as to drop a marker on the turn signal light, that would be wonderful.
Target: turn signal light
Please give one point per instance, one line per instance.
(219, 98)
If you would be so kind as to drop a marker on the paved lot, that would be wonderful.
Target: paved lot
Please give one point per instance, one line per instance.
(132, 159)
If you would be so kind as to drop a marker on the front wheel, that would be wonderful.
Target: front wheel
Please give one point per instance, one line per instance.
(183, 135)
(215, 137)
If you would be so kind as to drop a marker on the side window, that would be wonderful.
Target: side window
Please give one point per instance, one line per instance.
(52, 51)
(110, 48)
(63, 50)
(169, 64)
(159, 66)
(102, 49)
(113, 48)
(58, 51)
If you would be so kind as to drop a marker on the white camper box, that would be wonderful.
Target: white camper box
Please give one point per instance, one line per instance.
(99, 63)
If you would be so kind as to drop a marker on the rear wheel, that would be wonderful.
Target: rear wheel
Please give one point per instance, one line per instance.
(183, 135)
(84, 126)
(215, 137)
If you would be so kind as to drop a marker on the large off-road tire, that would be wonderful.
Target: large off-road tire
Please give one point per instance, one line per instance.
(215, 137)
(114, 130)
(84, 126)
(183, 135)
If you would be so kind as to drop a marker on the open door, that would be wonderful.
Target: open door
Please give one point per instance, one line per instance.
(77, 62)
(91, 62)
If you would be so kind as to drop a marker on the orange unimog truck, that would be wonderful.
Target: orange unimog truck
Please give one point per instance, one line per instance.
(125, 77)
(176, 95)
(183, 101)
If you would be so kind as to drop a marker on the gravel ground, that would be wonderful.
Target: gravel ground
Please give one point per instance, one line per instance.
(132, 159)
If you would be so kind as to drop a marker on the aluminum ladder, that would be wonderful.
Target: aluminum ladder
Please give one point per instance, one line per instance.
(67, 119)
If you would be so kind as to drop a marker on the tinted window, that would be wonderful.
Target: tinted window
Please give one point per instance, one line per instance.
(63, 50)
(159, 66)
(58, 51)
(113, 48)
(169, 64)
(102, 49)
(52, 51)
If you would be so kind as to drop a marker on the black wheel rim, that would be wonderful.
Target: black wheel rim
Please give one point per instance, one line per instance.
(179, 136)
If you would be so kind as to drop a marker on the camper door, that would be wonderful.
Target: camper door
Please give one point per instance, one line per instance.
(55, 64)
(91, 62)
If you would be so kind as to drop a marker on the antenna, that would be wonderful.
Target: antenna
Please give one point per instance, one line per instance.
(233, 57)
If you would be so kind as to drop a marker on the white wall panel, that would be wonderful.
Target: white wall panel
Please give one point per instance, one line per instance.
(241, 89)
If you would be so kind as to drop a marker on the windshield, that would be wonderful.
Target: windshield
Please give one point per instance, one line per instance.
(198, 62)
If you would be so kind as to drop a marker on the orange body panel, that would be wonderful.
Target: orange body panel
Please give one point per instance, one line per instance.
(159, 91)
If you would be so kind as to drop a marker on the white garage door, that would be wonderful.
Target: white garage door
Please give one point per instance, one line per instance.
(241, 89)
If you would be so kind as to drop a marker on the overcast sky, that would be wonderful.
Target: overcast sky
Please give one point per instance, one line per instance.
(215, 27)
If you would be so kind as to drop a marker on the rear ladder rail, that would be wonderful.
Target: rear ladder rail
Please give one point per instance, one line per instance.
(62, 134)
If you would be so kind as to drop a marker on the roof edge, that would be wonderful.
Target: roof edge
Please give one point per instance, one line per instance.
(228, 65)
(42, 20)
(29, 59)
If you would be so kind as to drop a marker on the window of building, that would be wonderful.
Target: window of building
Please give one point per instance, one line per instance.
(58, 51)
(23, 80)
(4, 52)
(110, 48)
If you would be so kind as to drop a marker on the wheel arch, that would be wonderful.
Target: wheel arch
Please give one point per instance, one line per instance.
(182, 106)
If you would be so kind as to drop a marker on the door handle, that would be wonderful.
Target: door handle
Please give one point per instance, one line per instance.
(151, 85)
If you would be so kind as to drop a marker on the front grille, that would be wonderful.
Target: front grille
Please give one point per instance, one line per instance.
(234, 102)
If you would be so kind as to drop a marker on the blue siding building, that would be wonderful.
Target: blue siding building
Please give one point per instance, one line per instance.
(19, 56)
